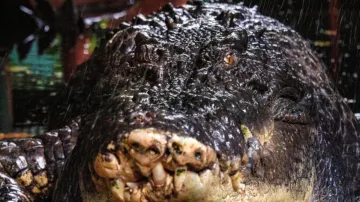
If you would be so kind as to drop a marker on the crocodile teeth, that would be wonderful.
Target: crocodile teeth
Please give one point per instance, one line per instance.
(179, 178)
(132, 185)
(107, 166)
(136, 196)
(151, 165)
(236, 181)
(159, 175)
(117, 189)
(187, 151)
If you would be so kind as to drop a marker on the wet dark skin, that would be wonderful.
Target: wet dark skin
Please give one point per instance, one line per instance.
(200, 103)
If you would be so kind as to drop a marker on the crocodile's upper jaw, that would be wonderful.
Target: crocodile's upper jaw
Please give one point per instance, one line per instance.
(153, 165)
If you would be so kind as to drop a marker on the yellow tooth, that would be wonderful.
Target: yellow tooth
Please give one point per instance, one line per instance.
(205, 177)
(127, 196)
(117, 188)
(159, 175)
(107, 166)
(193, 188)
(236, 181)
(242, 186)
(179, 178)
(169, 158)
(136, 195)
(169, 186)
(132, 185)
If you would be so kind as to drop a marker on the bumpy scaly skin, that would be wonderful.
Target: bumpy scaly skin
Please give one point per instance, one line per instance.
(10, 190)
(30, 166)
(207, 103)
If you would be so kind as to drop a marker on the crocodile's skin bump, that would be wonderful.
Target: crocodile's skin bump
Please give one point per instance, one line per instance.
(10, 190)
(35, 163)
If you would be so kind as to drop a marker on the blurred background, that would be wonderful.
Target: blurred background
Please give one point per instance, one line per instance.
(42, 42)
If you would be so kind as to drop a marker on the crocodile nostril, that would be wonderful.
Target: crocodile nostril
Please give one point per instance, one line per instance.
(146, 147)
(136, 146)
(176, 149)
(198, 156)
(257, 86)
(188, 152)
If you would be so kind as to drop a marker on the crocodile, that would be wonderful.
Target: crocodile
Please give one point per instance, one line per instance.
(205, 102)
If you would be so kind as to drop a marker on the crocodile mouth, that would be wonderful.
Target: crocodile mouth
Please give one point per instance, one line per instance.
(153, 165)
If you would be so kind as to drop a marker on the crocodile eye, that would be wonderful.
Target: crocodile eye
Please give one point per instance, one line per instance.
(294, 115)
(176, 149)
(229, 59)
(291, 94)
(290, 108)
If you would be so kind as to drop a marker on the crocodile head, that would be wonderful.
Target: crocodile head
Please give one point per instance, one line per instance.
(208, 103)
